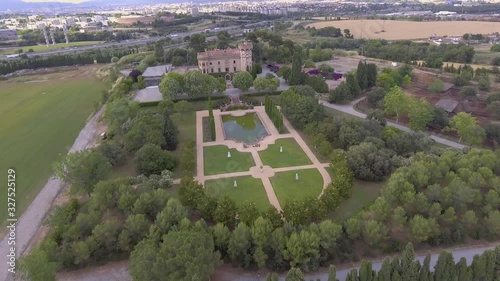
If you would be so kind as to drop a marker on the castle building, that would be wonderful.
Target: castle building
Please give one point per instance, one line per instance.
(227, 60)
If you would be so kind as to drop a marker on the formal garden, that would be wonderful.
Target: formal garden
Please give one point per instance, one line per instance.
(253, 187)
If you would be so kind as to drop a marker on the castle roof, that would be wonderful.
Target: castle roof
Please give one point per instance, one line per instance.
(219, 54)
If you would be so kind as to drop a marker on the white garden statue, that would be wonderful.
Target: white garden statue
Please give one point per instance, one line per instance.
(296, 176)
(229, 154)
(235, 184)
(281, 148)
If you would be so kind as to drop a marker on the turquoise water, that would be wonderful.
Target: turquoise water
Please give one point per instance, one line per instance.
(247, 128)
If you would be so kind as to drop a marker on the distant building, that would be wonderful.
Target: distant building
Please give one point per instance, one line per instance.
(153, 74)
(227, 60)
(129, 20)
(194, 11)
(8, 34)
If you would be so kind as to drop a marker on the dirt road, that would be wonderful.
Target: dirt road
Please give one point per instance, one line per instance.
(33, 217)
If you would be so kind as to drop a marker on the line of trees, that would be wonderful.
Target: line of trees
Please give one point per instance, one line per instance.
(273, 113)
(193, 83)
(87, 57)
(211, 120)
(411, 52)
(404, 268)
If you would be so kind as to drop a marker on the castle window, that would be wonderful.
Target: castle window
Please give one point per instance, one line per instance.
(203, 70)
(234, 61)
(212, 70)
(235, 68)
(210, 63)
(219, 69)
(218, 62)
(227, 69)
(203, 64)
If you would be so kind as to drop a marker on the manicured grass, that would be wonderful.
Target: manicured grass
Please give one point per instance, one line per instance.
(363, 194)
(217, 162)
(43, 48)
(38, 123)
(292, 154)
(248, 189)
(285, 186)
(187, 131)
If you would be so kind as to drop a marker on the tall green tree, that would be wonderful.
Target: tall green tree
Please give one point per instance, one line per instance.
(240, 243)
(294, 274)
(420, 114)
(396, 102)
(296, 72)
(243, 80)
(467, 128)
(362, 75)
(83, 169)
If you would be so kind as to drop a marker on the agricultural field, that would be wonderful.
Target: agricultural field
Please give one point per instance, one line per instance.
(483, 54)
(406, 30)
(42, 48)
(39, 120)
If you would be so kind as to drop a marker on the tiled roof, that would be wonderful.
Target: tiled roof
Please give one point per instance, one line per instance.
(217, 53)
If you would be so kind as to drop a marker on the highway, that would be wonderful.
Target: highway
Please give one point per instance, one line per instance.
(134, 42)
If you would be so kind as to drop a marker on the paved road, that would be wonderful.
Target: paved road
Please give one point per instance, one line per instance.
(349, 108)
(30, 221)
(133, 42)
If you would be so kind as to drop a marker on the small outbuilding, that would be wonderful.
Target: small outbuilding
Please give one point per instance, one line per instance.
(153, 74)
(447, 104)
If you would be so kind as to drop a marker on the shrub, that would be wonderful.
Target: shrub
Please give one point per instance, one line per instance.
(468, 91)
(151, 159)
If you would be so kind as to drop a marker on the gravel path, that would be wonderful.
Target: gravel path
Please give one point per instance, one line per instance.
(349, 108)
(30, 221)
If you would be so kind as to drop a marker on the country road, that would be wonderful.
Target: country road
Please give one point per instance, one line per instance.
(33, 217)
(118, 271)
(349, 108)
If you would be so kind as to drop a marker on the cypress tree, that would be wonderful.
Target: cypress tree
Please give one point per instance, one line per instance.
(385, 271)
(445, 267)
(371, 73)
(464, 273)
(332, 273)
(425, 273)
(366, 272)
(297, 61)
(362, 75)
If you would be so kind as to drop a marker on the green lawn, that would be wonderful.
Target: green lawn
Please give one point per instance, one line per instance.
(38, 122)
(217, 162)
(363, 193)
(286, 187)
(292, 154)
(248, 189)
(485, 57)
(42, 48)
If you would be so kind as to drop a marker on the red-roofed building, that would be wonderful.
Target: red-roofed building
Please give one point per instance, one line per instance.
(227, 60)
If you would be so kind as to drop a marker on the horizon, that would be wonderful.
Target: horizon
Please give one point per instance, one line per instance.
(60, 1)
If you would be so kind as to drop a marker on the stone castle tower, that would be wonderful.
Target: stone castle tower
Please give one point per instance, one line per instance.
(245, 48)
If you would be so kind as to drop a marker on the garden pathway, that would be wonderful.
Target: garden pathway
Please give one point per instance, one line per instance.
(258, 171)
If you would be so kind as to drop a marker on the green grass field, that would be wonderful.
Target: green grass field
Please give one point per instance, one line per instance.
(38, 122)
(363, 194)
(285, 186)
(485, 57)
(42, 48)
(217, 162)
(248, 189)
(292, 154)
